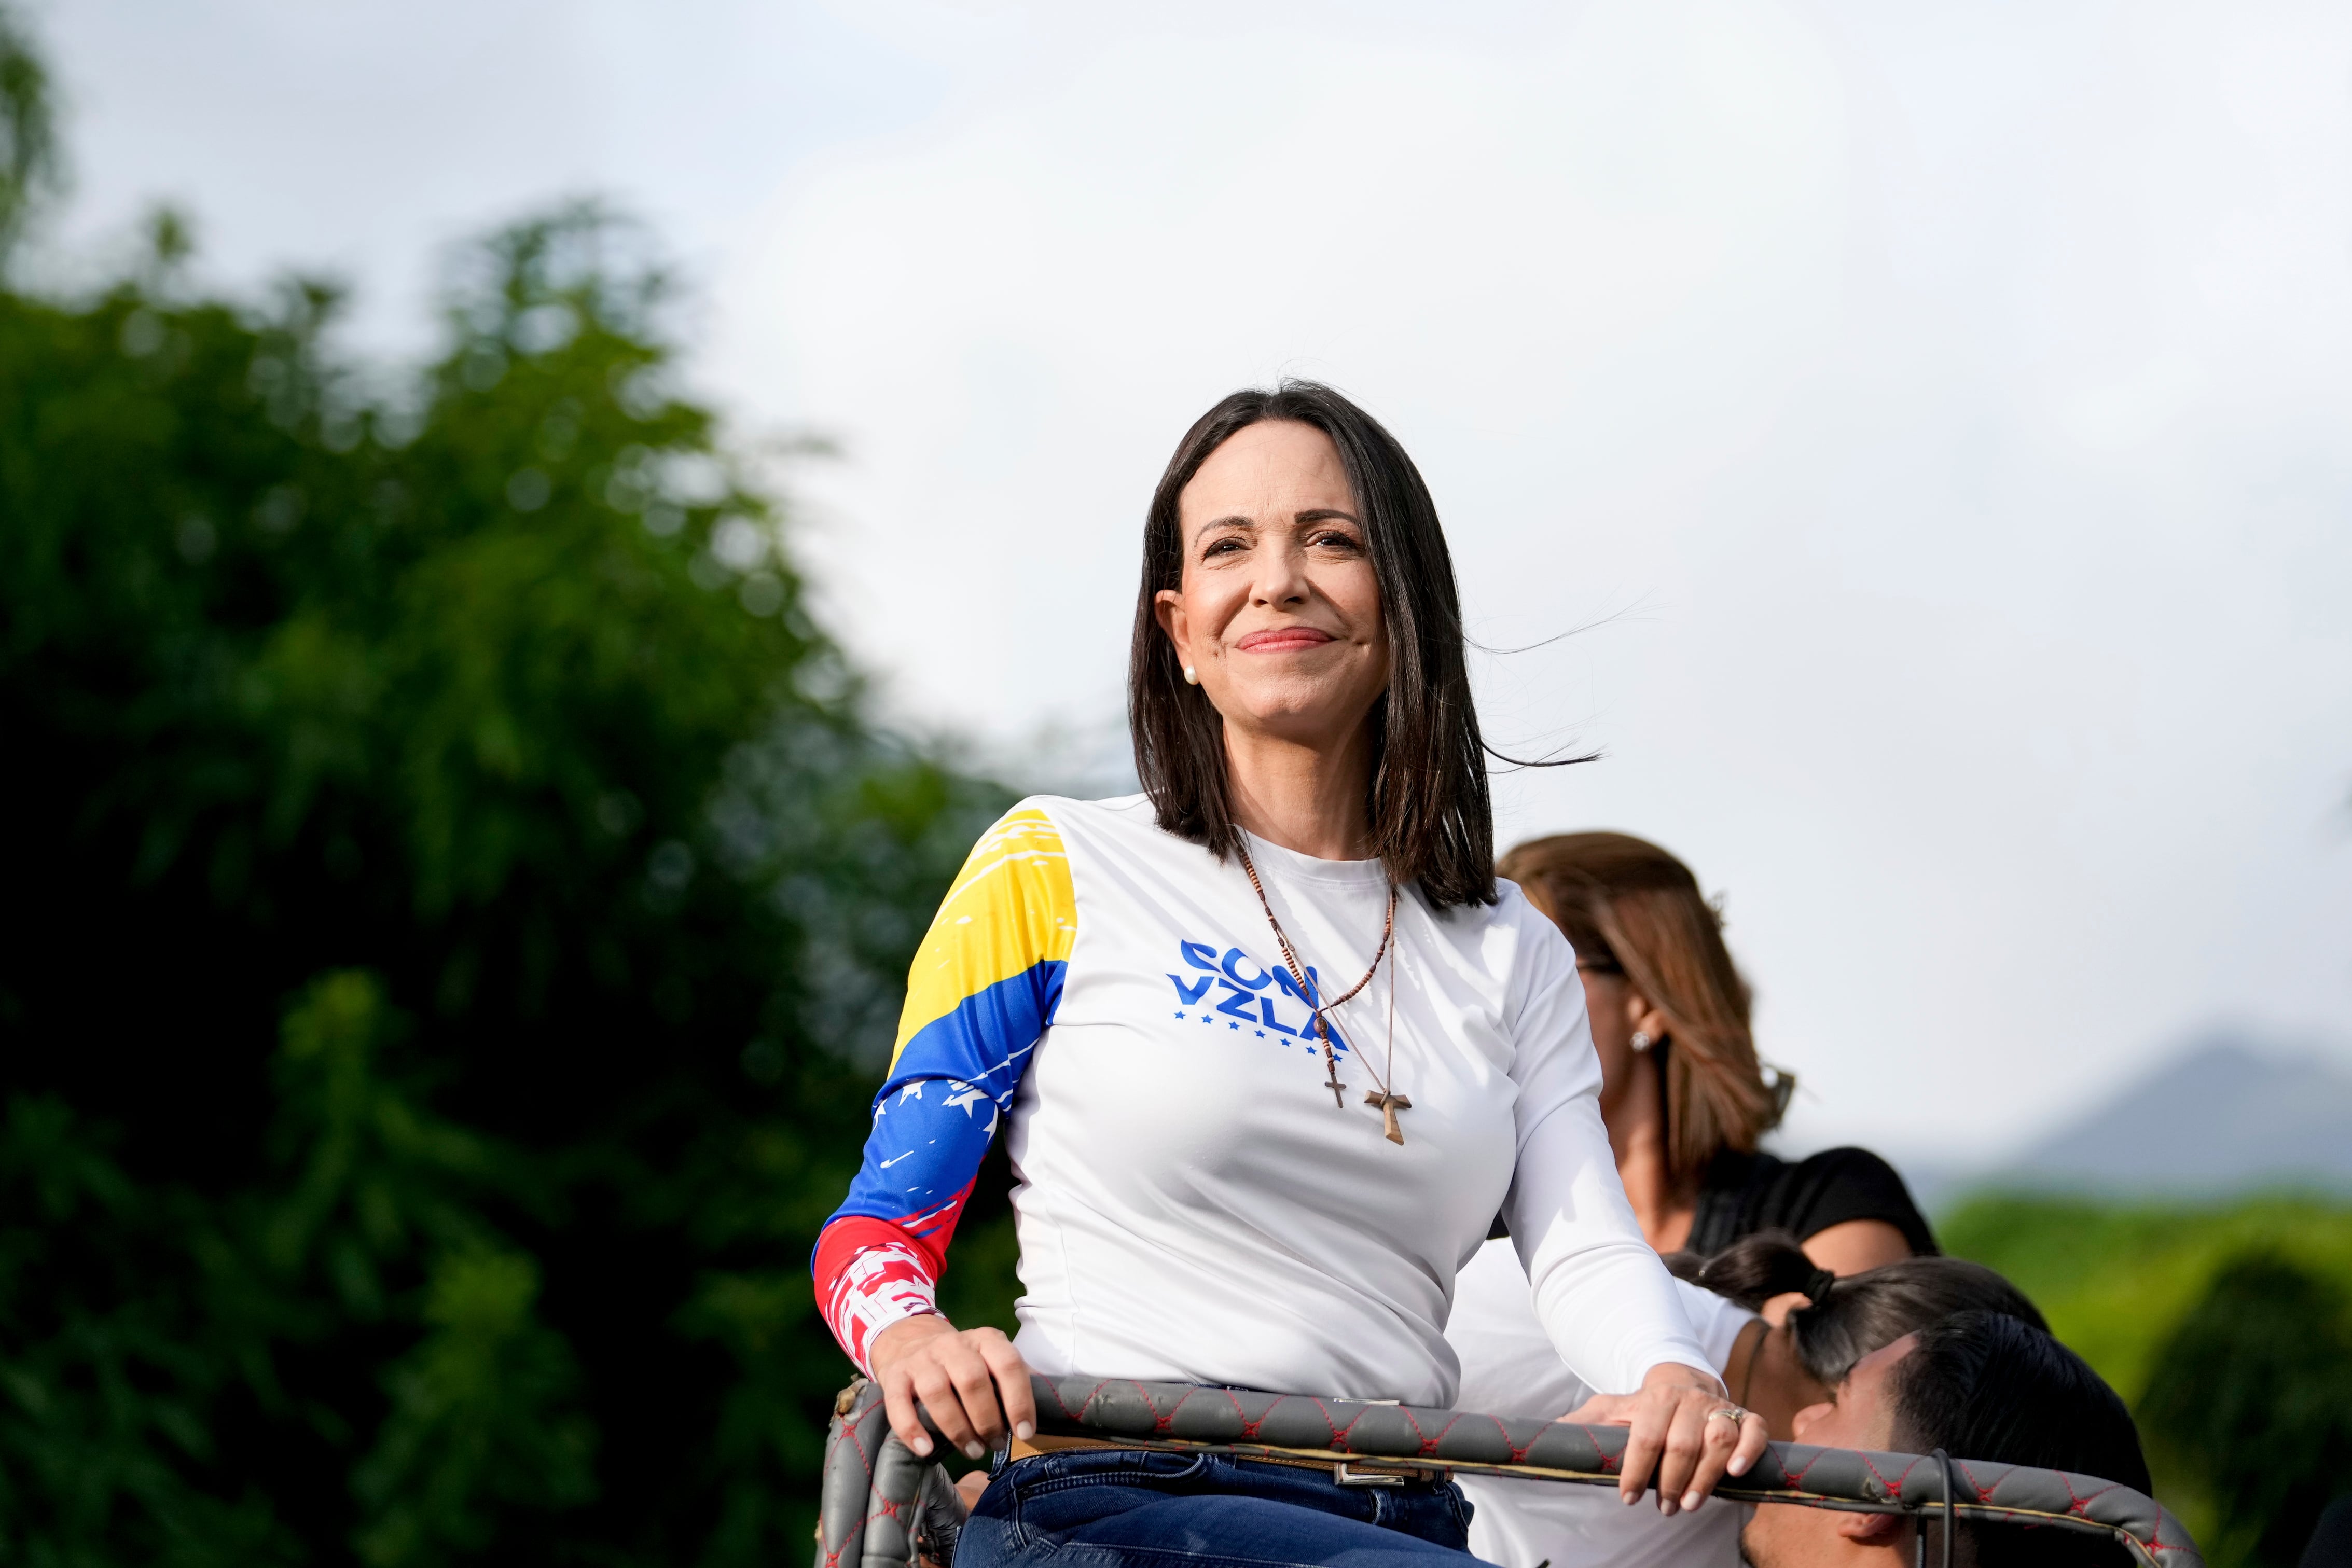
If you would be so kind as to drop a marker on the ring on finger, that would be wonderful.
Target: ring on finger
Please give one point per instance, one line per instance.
(1731, 1413)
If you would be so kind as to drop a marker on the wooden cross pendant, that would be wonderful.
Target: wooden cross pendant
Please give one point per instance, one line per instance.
(1390, 1106)
(1339, 1089)
(1331, 1064)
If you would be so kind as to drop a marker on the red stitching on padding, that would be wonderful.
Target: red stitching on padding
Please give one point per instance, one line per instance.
(1519, 1452)
(1429, 1444)
(1159, 1418)
(2082, 1504)
(1609, 1466)
(1423, 1440)
(848, 1435)
(1894, 1488)
(1336, 1434)
(1795, 1480)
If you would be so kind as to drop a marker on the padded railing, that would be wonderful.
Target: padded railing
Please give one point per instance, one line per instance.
(874, 1488)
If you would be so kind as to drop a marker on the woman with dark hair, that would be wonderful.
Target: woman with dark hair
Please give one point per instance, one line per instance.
(1777, 1370)
(1682, 1090)
(1271, 1047)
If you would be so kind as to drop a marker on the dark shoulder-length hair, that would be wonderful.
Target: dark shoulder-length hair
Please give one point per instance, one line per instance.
(1432, 820)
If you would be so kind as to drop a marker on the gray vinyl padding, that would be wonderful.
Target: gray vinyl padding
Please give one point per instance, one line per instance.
(872, 1482)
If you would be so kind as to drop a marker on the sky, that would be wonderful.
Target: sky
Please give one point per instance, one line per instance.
(1927, 424)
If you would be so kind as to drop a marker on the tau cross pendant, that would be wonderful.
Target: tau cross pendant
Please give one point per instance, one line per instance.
(1390, 1106)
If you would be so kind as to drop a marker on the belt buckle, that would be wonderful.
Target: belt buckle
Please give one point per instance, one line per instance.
(1347, 1475)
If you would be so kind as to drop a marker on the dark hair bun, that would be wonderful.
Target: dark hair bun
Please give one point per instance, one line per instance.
(1757, 1268)
(1848, 1318)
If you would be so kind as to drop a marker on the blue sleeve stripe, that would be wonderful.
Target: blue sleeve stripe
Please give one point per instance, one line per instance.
(987, 1039)
(935, 1116)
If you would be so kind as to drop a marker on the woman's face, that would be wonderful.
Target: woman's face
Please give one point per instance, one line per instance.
(1279, 613)
(1617, 1010)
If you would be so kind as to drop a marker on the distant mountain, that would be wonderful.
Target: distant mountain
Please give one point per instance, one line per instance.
(2218, 1117)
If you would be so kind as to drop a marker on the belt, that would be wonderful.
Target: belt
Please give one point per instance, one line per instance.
(1348, 1469)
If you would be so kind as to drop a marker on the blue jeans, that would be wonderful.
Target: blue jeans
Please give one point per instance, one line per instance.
(1134, 1508)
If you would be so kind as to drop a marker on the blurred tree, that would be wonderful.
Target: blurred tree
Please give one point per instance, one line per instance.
(457, 906)
(27, 150)
(2252, 1395)
(2117, 1275)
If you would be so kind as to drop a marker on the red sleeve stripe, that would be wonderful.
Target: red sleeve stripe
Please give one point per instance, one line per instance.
(870, 1274)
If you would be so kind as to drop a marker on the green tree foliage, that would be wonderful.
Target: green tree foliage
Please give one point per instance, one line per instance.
(457, 906)
(2253, 1393)
(2115, 1276)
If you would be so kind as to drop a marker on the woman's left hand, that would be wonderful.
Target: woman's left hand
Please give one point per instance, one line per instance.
(1685, 1426)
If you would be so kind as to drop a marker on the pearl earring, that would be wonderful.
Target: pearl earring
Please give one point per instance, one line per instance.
(1640, 1041)
(1191, 676)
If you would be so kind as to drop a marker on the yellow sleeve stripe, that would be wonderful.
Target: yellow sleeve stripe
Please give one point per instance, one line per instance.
(1011, 909)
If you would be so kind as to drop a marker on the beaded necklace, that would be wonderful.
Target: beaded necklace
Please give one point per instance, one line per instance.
(1389, 1102)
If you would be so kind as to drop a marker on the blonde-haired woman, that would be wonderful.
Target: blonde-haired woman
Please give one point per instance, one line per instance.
(1683, 1092)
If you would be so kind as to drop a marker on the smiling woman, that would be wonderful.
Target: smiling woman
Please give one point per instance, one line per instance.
(1300, 483)
(1154, 994)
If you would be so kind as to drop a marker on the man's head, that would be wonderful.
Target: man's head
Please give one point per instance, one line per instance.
(1979, 1386)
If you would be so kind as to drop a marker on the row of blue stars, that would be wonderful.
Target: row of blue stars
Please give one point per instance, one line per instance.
(1232, 1024)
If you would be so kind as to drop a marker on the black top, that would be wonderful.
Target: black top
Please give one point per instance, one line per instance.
(1742, 1194)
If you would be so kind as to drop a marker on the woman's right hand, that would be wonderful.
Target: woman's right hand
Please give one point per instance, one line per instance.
(1680, 1426)
(972, 1381)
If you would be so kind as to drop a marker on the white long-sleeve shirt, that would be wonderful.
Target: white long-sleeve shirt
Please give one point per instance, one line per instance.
(1191, 1203)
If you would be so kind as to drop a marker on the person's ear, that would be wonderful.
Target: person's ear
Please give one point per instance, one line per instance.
(1646, 1018)
(1871, 1529)
(1168, 609)
(1803, 1420)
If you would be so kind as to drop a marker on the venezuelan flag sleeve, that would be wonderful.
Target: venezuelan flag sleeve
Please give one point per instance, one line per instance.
(984, 986)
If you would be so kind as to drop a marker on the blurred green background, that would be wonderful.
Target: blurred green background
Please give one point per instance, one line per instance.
(2227, 1328)
(458, 906)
